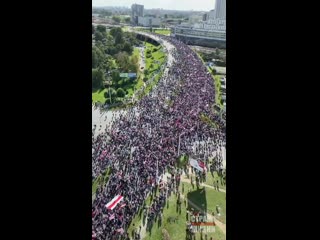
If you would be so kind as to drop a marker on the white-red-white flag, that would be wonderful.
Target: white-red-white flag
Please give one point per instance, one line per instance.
(113, 203)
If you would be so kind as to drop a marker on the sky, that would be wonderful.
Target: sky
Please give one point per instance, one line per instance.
(197, 5)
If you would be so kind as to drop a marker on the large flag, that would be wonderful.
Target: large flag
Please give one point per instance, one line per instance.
(113, 203)
(197, 165)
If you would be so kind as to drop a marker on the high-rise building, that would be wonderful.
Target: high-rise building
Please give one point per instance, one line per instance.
(136, 11)
(220, 9)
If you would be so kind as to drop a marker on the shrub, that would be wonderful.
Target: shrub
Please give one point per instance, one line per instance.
(120, 92)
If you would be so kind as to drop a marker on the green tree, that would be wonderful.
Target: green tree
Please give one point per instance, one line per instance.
(115, 77)
(117, 34)
(117, 19)
(120, 92)
(118, 39)
(127, 47)
(127, 19)
(101, 28)
(116, 30)
(123, 61)
(98, 36)
(94, 59)
(97, 57)
(93, 29)
(110, 92)
(97, 78)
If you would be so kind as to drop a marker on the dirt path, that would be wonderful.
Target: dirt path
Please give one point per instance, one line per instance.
(203, 184)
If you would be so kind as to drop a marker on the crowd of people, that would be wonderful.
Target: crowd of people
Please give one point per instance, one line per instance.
(141, 143)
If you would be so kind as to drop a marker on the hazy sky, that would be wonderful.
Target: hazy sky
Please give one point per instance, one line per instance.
(198, 5)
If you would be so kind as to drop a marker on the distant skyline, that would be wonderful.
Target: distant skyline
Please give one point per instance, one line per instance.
(196, 5)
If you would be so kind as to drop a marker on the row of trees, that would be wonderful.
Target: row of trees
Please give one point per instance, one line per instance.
(111, 56)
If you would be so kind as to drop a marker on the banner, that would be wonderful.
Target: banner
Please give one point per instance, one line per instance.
(113, 203)
(199, 165)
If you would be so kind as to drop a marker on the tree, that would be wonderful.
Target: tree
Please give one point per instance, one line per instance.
(97, 78)
(120, 92)
(110, 92)
(115, 77)
(127, 47)
(93, 29)
(94, 59)
(127, 19)
(101, 28)
(117, 19)
(98, 36)
(134, 64)
(122, 59)
(116, 30)
(97, 57)
(166, 16)
(118, 39)
(217, 51)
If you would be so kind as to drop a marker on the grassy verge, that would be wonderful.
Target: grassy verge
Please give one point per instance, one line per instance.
(98, 95)
(213, 179)
(102, 179)
(217, 85)
(163, 31)
(208, 200)
(177, 229)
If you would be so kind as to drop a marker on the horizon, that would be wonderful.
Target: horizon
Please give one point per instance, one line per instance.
(187, 5)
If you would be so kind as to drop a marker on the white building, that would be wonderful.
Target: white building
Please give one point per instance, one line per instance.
(149, 21)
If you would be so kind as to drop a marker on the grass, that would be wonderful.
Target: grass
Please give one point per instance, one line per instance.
(163, 31)
(213, 179)
(207, 120)
(210, 199)
(177, 229)
(100, 180)
(217, 85)
(98, 95)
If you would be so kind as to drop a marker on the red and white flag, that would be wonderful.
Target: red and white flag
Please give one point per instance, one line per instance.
(202, 165)
(113, 203)
(197, 165)
(120, 230)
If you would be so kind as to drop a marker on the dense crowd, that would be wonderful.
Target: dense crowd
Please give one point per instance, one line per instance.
(145, 141)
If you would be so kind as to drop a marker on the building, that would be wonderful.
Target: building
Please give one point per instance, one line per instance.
(211, 33)
(149, 21)
(205, 17)
(208, 33)
(220, 9)
(136, 11)
(212, 14)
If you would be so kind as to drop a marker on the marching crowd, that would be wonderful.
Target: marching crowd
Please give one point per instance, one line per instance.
(145, 141)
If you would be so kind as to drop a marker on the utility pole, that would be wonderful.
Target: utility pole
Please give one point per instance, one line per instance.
(109, 95)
